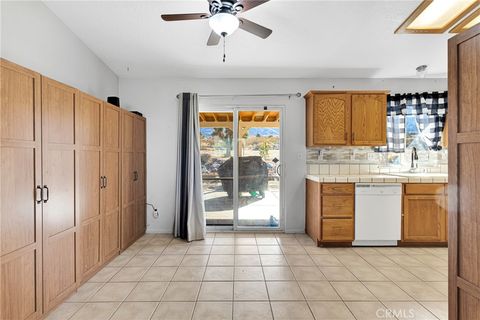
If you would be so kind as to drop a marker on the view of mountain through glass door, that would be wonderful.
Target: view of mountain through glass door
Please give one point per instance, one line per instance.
(241, 168)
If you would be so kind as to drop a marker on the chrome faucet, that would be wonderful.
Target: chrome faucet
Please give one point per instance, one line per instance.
(414, 164)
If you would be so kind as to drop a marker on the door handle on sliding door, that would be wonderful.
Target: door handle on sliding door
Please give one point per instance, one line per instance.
(45, 194)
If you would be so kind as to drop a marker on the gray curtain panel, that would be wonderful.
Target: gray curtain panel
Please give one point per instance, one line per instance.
(189, 206)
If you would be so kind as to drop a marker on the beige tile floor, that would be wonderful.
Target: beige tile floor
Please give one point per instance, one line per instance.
(262, 276)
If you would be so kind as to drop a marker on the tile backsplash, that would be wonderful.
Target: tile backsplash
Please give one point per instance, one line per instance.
(364, 160)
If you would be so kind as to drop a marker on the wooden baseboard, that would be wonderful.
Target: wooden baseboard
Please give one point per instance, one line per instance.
(333, 244)
(422, 244)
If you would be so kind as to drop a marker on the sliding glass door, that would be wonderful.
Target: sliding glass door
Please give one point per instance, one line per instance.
(241, 165)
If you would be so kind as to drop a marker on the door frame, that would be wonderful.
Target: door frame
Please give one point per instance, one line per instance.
(235, 109)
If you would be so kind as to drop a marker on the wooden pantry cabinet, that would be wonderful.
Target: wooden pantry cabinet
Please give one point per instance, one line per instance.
(330, 212)
(111, 181)
(21, 187)
(133, 178)
(424, 213)
(61, 156)
(61, 251)
(347, 118)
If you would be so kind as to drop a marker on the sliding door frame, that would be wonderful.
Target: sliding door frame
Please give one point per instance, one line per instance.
(235, 109)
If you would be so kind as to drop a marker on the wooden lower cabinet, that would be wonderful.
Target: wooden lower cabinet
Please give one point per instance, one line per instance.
(337, 230)
(424, 213)
(330, 212)
(312, 204)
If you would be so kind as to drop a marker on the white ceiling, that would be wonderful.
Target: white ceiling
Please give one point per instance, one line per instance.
(311, 39)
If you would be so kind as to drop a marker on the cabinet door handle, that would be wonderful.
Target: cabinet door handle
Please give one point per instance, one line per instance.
(38, 194)
(101, 182)
(45, 194)
(105, 181)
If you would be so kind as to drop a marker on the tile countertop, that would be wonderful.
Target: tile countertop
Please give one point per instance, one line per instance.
(388, 178)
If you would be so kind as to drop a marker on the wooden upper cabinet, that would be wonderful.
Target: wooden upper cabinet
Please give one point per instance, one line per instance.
(329, 119)
(369, 119)
(346, 118)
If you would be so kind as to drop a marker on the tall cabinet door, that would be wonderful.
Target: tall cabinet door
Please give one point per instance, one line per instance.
(330, 114)
(464, 175)
(21, 213)
(128, 180)
(140, 179)
(60, 234)
(89, 137)
(111, 182)
(369, 127)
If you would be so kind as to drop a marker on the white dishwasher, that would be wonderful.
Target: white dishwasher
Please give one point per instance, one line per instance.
(378, 214)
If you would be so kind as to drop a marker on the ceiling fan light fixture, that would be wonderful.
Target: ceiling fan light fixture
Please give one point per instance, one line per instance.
(224, 24)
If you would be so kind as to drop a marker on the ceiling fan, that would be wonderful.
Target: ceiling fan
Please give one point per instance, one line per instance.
(223, 19)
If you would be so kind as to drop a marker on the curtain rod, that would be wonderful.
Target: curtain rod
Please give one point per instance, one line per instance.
(289, 95)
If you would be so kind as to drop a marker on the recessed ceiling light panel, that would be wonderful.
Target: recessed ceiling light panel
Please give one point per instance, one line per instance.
(437, 16)
(468, 22)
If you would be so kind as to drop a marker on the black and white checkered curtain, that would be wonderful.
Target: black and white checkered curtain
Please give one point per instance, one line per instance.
(430, 110)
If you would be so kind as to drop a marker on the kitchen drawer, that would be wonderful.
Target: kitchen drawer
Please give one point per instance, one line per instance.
(338, 206)
(338, 188)
(424, 188)
(337, 230)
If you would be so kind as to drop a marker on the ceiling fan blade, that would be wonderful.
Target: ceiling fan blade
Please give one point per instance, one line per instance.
(214, 39)
(185, 16)
(256, 29)
(250, 4)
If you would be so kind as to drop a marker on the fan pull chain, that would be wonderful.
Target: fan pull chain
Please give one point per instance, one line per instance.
(224, 55)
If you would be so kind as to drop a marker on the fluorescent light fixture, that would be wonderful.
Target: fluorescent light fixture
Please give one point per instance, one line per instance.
(224, 24)
(468, 22)
(473, 22)
(436, 16)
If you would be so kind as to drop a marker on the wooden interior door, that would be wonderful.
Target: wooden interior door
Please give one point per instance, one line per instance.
(89, 135)
(20, 174)
(128, 180)
(464, 175)
(424, 218)
(60, 237)
(111, 187)
(140, 179)
(331, 119)
(369, 114)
